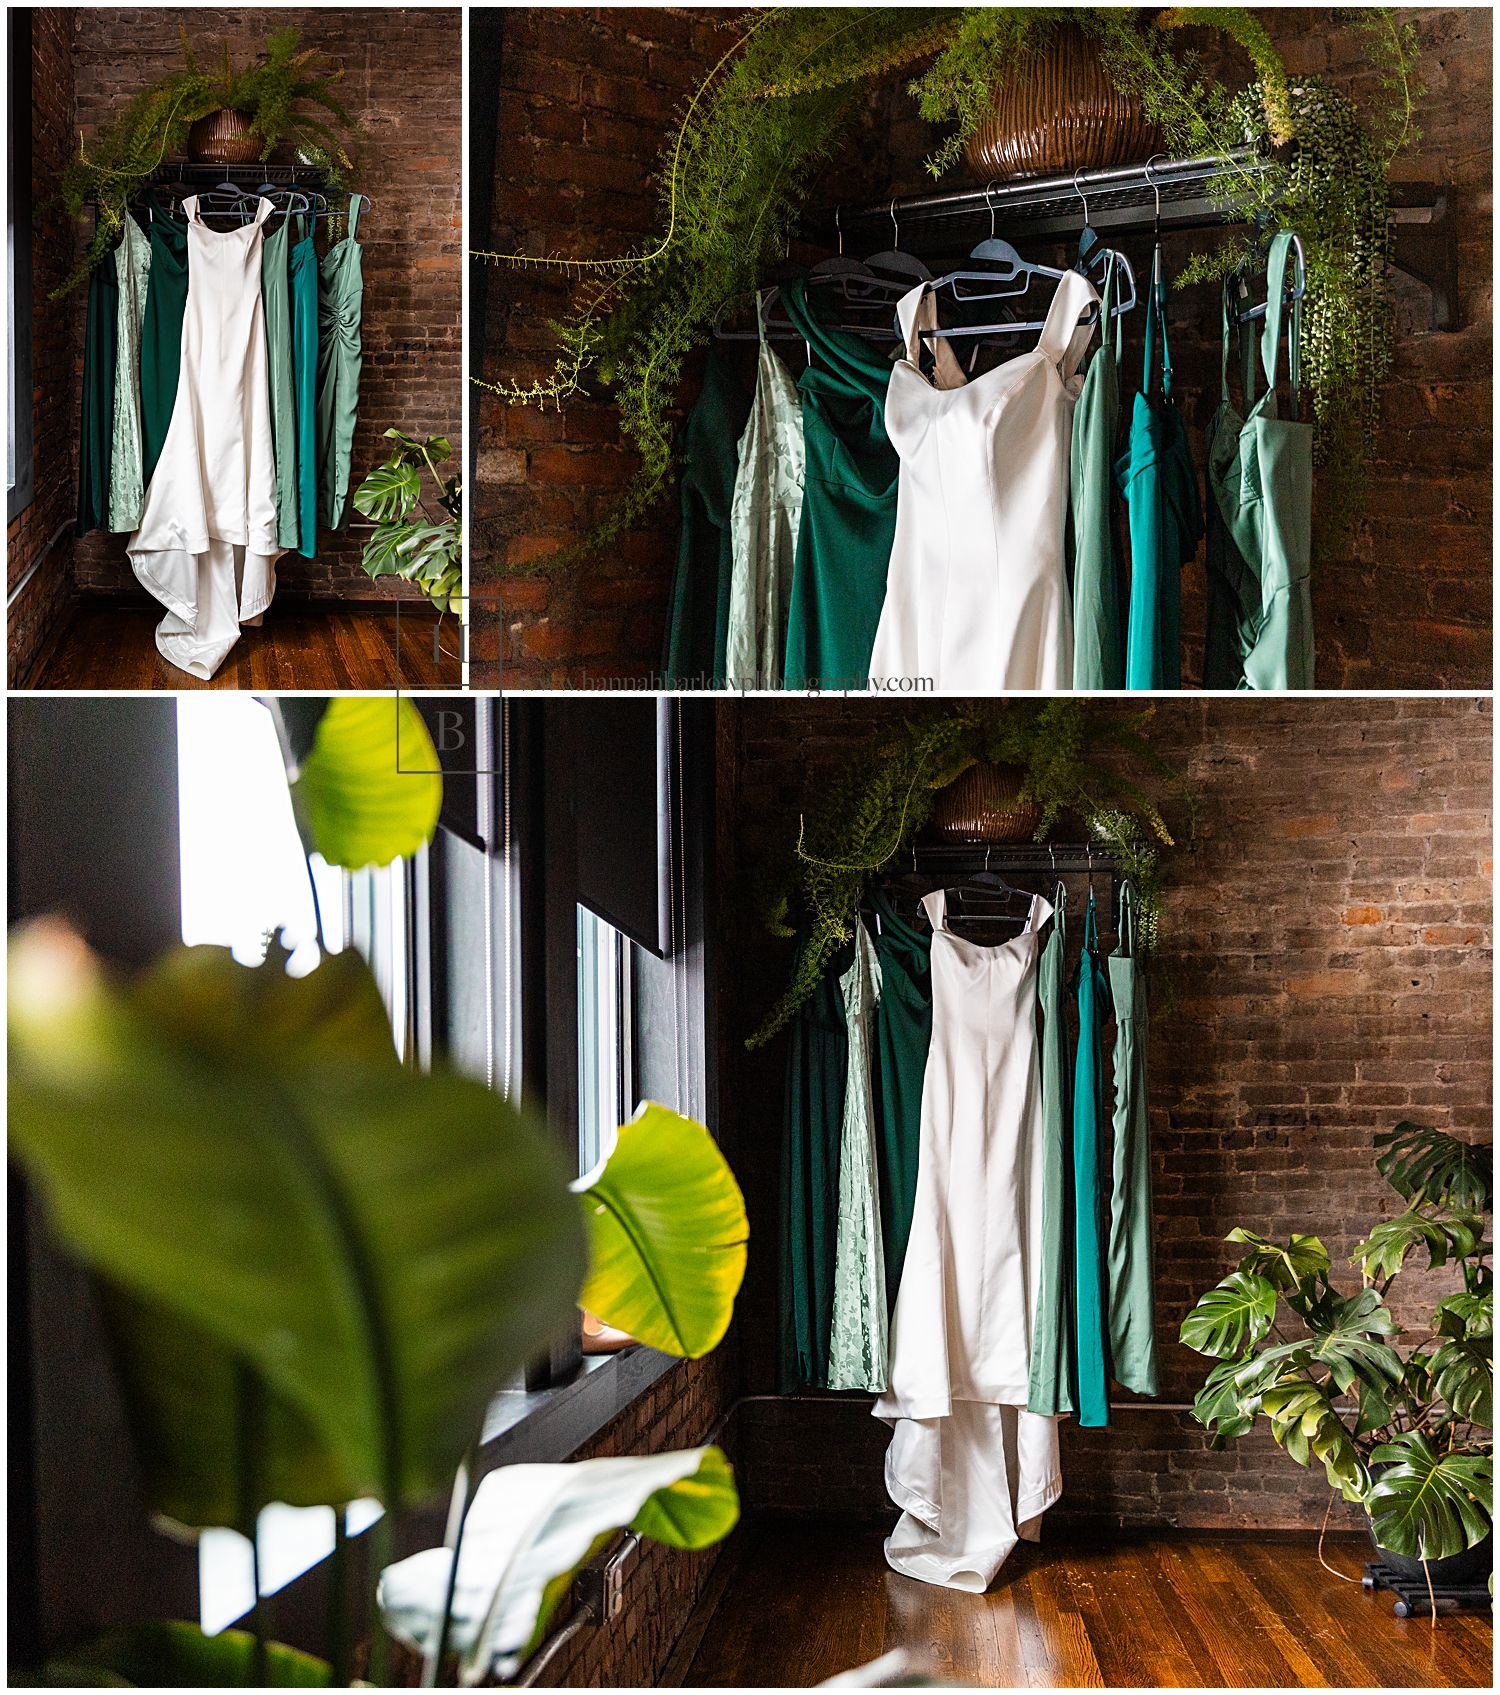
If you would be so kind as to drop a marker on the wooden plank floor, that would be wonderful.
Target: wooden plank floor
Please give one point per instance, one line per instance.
(795, 1601)
(301, 645)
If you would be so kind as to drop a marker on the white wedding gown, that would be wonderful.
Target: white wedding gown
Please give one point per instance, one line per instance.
(970, 1468)
(977, 593)
(206, 546)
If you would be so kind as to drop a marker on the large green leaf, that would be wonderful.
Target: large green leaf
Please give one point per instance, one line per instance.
(1463, 1374)
(390, 491)
(371, 788)
(1384, 1252)
(175, 1655)
(528, 1529)
(244, 1148)
(1348, 1341)
(1304, 1422)
(1466, 1314)
(1428, 1506)
(1285, 1267)
(1230, 1317)
(667, 1234)
(1427, 1164)
(1219, 1404)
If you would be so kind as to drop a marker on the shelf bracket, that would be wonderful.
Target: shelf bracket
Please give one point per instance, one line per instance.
(1425, 244)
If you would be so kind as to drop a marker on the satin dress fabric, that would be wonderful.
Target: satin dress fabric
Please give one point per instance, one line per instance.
(1090, 1114)
(276, 289)
(341, 294)
(1050, 1390)
(206, 546)
(302, 282)
(1132, 1329)
(96, 425)
(977, 593)
(1098, 560)
(127, 488)
(971, 1469)
(161, 333)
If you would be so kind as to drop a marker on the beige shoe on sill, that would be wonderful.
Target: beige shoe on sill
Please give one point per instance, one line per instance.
(600, 1338)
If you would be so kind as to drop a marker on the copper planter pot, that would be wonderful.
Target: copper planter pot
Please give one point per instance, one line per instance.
(983, 804)
(224, 138)
(1061, 113)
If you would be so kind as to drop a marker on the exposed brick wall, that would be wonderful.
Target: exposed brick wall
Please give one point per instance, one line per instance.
(403, 84)
(1328, 941)
(1403, 603)
(54, 354)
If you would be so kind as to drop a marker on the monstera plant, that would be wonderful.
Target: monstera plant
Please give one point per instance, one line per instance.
(1405, 1432)
(316, 1266)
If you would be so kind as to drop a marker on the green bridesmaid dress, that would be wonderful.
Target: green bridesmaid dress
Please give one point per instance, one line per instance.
(97, 422)
(1132, 1329)
(848, 503)
(1088, 1208)
(126, 487)
(1049, 1391)
(161, 333)
(302, 277)
(1098, 568)
(276, 296)
(341, 289)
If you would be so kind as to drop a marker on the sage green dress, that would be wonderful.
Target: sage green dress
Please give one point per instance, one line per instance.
(96, 425)
(765, 517)
(1098, 567)
(1091, 1310)
(858, 1341)
(849, 502)
(1049, 1390)
(127, 451)
(161, 332)
(302, 277)
(341, 289)
(276, 294)
(697, 635)
(1260, 481)
(1132, 1329)
(903, 1035)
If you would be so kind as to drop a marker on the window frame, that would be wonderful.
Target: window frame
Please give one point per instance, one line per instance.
(21, 431)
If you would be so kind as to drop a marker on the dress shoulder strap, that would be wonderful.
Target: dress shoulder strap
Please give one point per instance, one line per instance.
(935, 906)
(1063, 337)
(1041, 911)
(355, 201)
(916, 312)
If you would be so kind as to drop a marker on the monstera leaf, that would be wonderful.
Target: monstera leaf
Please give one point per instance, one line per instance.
(1285, 1267)
(244, 1151)
(1384, 1252)
(1348, 1343)
(667, 1234)
(1428, 1506)
(1463, 1375)
(1219, 1405)
(1231, 1317)
(371, 788)
(390, 491)
(1304, 1423)
(175, 1655)
(1424, 1164)
(1468, 1314)
(529, 1528)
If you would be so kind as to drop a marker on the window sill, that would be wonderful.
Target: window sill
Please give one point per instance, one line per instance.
(545, 1426)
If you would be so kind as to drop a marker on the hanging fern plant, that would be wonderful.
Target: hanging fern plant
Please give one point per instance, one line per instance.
(738, 166)
(876, 806)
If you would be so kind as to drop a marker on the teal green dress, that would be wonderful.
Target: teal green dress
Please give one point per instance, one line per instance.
(848, 504)
(276, 296)
(161, 332)
(1160, 485)
(903, 1034)
(1088, 1206)
(1260, 482)
(1049, 1391)
(1098, 567)
(812, 1131)
(302, 274)
(341, 292)
(96, 428)
(1132, 1328)
(697, 636)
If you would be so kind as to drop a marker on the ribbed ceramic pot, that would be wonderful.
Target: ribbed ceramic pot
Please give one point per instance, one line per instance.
(1061, 113)
(983, 804)
(224, 138)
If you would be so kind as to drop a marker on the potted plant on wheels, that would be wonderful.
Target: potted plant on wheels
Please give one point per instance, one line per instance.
(1405, 1435)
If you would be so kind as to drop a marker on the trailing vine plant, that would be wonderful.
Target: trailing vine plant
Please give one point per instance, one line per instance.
(742, 158)
(110, 171)
(872, 810)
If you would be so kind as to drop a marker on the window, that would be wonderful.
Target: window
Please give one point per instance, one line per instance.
(19, 468)
(606, 1035)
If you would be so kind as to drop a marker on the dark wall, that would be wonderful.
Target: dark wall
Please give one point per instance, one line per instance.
(1328, 944)
(1404, 602)
(403, 84)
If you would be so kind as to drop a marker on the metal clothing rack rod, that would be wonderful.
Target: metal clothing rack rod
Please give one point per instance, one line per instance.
(1073, 858)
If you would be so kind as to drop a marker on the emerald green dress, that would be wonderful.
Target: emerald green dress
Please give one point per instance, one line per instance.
(1157, 478)
(302, 276)
(1049, 1391)
(276, 295)
(1260, 481)
(161, 333)
(1098, 568)
(1132, 1330)
(903, 1034)
(812, 1131)
(1089, 1112)
(341, 291)
(97, 422)
(848, 504)
(697, 640)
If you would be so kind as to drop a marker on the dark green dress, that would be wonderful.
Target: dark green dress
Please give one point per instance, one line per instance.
(161, 333)
(302, 276)
(1132, 1330)
(698, 619)
(817, 1067)
(97, 423)
(1157, 478)
(1089, 1114)
(1098, 566)
(903, 1034)
(848, 506)
(1050, 1389)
